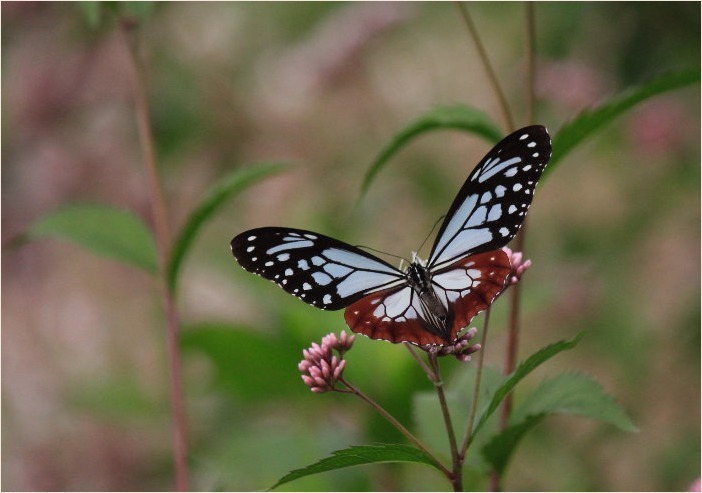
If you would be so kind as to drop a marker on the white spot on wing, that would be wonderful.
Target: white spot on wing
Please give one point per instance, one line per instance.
(289, 246)
(397, 303)
(321, 278)
(497, 168)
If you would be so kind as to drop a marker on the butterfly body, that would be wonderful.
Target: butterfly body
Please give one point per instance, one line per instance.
(429, 302)
(437, 320)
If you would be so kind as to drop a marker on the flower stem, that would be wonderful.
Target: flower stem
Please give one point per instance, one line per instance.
(400, 427)
(422, 364)
(515, 293)
(455, 457)
(163, 242)
(468, 434)
(504, 107)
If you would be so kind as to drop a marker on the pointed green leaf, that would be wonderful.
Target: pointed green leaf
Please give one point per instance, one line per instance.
(574, 394)
(594, 119)
(564, 394)
(106, 231)
(499, 450)
(358, 455)
(457, 117)
(214, 198)
(526, 367)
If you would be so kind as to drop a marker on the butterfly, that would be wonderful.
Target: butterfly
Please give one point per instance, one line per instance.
(431, 301)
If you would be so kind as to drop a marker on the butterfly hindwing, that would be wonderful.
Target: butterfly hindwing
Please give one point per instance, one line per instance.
(393, 315)
(320, 270)
(471, 285)
(493, 202)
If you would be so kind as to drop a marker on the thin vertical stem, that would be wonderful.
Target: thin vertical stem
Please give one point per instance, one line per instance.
(468, 434)
(504, 107)
(531, 62)
(163, 244)
(515, 292)
(455, 457)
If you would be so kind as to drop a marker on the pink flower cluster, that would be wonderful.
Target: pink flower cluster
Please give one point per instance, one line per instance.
(519, 266)
(321, 369)
(461, 349)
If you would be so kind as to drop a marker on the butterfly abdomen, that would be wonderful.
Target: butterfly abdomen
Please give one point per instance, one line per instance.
(438, 319)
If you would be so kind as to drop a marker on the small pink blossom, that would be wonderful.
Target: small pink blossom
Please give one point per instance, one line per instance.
(519, 266)
(321, 369)
(461, 348)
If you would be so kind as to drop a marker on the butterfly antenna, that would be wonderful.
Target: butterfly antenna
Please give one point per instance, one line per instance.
(430, 232)
(384, 253)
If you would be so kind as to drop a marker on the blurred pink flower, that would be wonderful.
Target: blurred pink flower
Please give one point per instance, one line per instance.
(571, 84)
(656, 127)
(695, 486)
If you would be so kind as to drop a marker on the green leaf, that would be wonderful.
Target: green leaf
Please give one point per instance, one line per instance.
(106, 231)
(564, 394)
(91, 12)
(458, 117)
(358, 455)
(499, 450)
(141, 10)
(594, 119)
(574, 394)
(526, 367)
(214, 198)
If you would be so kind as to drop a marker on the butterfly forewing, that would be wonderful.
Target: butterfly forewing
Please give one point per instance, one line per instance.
(493, 202)
(320, 270)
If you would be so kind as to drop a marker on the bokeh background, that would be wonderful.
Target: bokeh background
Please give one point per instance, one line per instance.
(614, 235)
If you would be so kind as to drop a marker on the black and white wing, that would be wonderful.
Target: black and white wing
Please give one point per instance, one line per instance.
(493, 202)
(320, 270)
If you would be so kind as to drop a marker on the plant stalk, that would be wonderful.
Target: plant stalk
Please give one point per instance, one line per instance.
(163, 245)
(468, 434)
(515, 293)
(502, 100)
(400, 427)
(456, 460)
